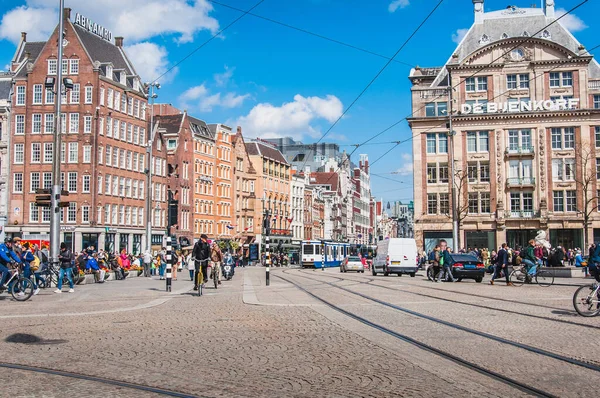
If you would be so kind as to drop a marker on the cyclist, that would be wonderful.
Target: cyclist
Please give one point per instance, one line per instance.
(201, 255)
(594, 263)
(7, 258)
(27, 257)
(529, 259)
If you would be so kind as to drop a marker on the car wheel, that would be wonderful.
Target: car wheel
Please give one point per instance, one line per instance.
(478, 280)
(386, 273)
(412, 274)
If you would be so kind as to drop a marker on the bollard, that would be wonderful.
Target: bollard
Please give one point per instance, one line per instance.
(267, 259)
(169, 262)
(322, 256)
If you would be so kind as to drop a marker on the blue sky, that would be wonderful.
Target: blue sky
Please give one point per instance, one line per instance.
(275, 81)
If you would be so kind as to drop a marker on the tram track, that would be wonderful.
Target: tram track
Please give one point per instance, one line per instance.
(503, 310)
(436, 351)
(588, 364)
(96, 379)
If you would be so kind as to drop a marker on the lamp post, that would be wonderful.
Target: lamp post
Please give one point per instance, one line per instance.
(151, 87)
(451, 133)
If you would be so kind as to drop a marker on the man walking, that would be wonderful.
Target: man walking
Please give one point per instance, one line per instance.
(147, 263)
(216, 256)
(501, 265)
(201, 255)
(446, 260)
(66, 268)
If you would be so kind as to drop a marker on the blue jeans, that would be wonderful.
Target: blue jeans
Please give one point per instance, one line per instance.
(448, 271)
(61, 274)
(161, 270)
(531, 266)
(28, 274)
(4, 272)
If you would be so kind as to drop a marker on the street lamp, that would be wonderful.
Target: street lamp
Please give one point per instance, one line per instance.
(151, 88)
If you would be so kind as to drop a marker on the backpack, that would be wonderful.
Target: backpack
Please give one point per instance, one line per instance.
(34, 264)
(431, 257)
(44, 258)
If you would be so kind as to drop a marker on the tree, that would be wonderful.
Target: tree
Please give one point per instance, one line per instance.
(460, 181)
(584, 178)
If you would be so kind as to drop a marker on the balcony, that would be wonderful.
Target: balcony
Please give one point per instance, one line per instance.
(520, 182)
(523, 214)
(520, 151)
(594, 85)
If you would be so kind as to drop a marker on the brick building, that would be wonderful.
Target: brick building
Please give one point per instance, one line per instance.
(104, 135)
(204, 180)
(245, 191)
(5, 119)
(223, 181)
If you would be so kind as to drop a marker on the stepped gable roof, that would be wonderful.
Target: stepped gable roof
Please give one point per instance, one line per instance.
(200, 127)
(266, 151)
(510, 24)
(171, 123)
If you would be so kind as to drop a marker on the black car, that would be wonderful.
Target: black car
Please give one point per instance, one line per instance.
(467, 266)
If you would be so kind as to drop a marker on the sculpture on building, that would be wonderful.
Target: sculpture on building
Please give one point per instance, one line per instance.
(540, 239)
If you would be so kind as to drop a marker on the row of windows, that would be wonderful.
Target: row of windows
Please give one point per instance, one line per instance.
(42, 96)
(120, 130)
(120, 102)
(121, 187)
(69, 66)
(44, 154)
(121, 158)
(43, 180)
(518, 81)
(47, 125)
(43, 214)
(125, 215)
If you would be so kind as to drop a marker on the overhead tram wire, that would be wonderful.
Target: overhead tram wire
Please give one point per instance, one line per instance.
(387, 178)
(302, 30)
(497, 96)
(524, 40)
(209, 40)
(379, 73)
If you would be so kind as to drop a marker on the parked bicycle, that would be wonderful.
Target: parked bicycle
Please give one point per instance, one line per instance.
(586, 300)
(20, 288)
(542, 276)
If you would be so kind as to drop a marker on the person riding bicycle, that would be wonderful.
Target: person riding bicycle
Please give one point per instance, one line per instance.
(201, 255)
(529, 259)
(7, 258)
(594, 263)
(216, 256)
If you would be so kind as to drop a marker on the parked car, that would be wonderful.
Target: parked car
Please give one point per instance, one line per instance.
(352, 263)
(396, 256)
(467, 266)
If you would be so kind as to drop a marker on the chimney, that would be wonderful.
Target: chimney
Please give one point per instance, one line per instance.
(67, 13)
(367, 167)
(239, 130)
(549, 8)
(478, 8)
(24, 36)
(119, 41)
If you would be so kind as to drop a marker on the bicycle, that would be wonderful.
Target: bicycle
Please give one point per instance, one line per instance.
(586, 300)
(199, 281)
(20, 288)
(521, 275)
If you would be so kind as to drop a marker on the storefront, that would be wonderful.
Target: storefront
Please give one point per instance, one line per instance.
(480, 240)
(431, 239)
(124, 242)
(88, 239)
(109, 242)
(567, 238)
(519, 237)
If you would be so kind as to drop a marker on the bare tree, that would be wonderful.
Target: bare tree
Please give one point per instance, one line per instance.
(584, 179)
(461, 207)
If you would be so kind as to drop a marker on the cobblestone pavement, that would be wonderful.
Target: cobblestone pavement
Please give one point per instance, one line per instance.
(246, 339)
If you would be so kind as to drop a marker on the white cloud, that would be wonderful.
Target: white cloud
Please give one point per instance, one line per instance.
(199, 97)
(222, 79)
(572, 22)
(406, 169)
(394, 5)
(293, 119)
(459, 35)
(136, 20)
(150, 61)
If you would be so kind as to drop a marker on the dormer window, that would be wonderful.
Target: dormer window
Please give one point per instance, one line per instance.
(505, 35)
(123, 78)
(546, 35)
(109, 71)
(484, 39)
(526, 34)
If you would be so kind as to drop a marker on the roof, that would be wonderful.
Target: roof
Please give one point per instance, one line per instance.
(325, 178)
(265, 151)
(171, 123)
(200, 128)
(34, 48)
(5, 87)
(512, 23)
(103, 51)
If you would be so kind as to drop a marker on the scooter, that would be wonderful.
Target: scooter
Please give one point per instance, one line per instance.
(228, 271)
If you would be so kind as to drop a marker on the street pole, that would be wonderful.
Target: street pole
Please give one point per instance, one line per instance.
(322, 255)
(56, 180)
(452, 171)
(151, 87)
(267, 249)
(170, 253)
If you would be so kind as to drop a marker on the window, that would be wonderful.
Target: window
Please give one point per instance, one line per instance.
(478, 172)
(117, 101)
(521, 204)
(73, 123)
(72, 182)
(136, 109)
(36, 152)
(519, 141)
(571, 201)
(121, 215)
(596, 101)
(18, 182)
(100, 155)
(36, 125)
(74, 66)
(436, 109)
(479, 203)
(564, 138)
(73, 152)
(52, 66)
(102, 91)
(19, 157)
(129, 160)
(87, 124)
(37, 94)
(171, 144)
(561, 79)
(559, 200)
(473, 199)
(437, 143)
(108, 184)
(20, 95)
(85, 214)
(86, 183)
(136, 135)
(63, 123)
(130, 106)
(47, 181)
(109, 126)
(108, 155)
(75, 94)
(34, 213)
(123, 136)
(63, 152)
(49, 123)
(72, 212)
(476, 84)
(485, 202)
(432, 173)
(520, 81)
(432, 203)
(116, 129)
(49, 97)
(20, 124)
(124, 104)
(520, 171)
(563, 169)
(87, 154)
(109, 98)
(100, 186)
(477, 141)
(34, 181)
(48, 148)
(129, 132)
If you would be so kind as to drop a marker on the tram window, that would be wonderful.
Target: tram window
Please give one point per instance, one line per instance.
(308, 249)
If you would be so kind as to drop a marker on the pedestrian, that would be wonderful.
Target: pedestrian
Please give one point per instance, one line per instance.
(446, 260)
(579, 262)
(147, 263)
(501, 265)
(162, 261)
(65, 257)
(201, 255)
(190, 265)
(174, 267)
(435, 264)
(216, 256)
(30, 264)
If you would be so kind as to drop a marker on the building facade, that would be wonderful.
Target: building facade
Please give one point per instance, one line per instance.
(245, 192)
(223, 181)
(361, 212)
(317, 157)
(525, 118)
(297, 186)
(104, 135)
(5, 122)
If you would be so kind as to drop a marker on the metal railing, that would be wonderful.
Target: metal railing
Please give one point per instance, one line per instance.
(594, 85)
(520, 150)
(520, 181)
(523, 214)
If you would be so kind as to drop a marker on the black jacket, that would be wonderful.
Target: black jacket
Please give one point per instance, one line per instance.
(65, 257)
(201, 251)
(502, 257)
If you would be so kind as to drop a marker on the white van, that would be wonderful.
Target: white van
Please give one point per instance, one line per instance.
(396, 256)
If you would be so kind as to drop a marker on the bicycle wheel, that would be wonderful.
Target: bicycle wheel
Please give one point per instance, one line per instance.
(22, 289)
(586, 301)
(544, 278)
(517, 277)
